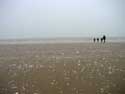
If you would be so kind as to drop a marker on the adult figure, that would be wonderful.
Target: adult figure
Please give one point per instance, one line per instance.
(104, 38)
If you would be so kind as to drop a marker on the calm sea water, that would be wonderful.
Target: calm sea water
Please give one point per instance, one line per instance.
(56, 40)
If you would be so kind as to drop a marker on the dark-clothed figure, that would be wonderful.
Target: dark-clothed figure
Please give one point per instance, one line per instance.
(104, 38)
(97, 39)
(101, 40)
(94, 39)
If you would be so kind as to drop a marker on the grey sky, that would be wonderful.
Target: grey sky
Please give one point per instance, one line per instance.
(61, 18)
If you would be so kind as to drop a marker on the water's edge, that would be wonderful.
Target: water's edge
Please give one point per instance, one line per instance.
(56, 40)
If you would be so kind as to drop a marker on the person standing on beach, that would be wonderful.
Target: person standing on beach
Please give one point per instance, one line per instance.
(97, 39)
(101, 40)
(94, 39)
(104, 38)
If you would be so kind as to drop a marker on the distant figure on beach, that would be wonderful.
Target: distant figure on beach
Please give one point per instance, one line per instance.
(104, 38)
(101, 40)
(94, 40)
(97, 39)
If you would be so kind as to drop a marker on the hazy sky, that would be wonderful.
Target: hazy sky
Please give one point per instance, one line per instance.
(61, 18)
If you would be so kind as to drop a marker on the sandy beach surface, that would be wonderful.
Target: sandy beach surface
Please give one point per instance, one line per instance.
(63, 68)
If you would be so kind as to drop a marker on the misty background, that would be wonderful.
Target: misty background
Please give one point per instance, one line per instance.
(61, 18)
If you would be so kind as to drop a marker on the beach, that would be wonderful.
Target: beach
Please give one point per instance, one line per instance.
(62, 68)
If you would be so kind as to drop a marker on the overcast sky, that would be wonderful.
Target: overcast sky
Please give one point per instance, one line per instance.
(61, 18)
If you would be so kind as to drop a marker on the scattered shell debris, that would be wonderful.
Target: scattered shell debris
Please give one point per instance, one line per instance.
(62, 69)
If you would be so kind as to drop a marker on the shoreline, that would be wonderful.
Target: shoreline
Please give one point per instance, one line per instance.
(56, 42)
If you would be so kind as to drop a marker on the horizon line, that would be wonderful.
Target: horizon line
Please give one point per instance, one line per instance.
(60, 38)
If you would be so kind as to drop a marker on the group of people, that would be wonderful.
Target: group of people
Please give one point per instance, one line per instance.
(102, 39)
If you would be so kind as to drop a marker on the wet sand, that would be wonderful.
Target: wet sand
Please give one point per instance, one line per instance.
(62, 68)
